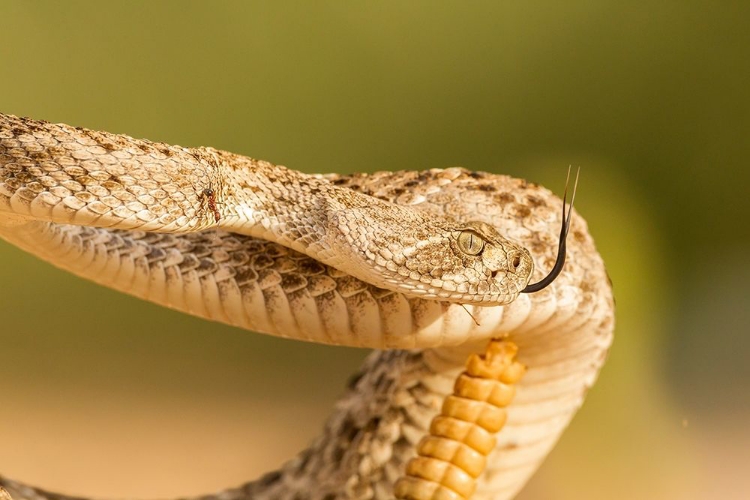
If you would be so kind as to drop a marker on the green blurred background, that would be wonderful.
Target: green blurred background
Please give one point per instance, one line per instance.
(651, 99)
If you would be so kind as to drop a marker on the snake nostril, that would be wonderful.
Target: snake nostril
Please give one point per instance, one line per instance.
(494, 273)
(516, 261)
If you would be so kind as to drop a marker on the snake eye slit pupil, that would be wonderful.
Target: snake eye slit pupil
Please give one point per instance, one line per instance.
(470, 242)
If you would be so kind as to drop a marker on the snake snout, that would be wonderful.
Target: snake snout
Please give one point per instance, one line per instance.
(509, 270)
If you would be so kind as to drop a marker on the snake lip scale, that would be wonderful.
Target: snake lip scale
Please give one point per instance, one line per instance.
(423, 267)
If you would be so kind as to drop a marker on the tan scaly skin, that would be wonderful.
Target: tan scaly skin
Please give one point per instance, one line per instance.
(430, 263)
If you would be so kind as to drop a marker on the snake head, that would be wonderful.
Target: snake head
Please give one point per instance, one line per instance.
(414, 253)
(496, 266)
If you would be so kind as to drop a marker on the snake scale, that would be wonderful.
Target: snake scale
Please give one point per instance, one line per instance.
(424, 267)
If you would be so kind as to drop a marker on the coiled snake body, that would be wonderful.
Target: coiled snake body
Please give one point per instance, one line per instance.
(425, 267)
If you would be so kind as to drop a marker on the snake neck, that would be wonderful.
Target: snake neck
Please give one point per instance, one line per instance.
(277, 204)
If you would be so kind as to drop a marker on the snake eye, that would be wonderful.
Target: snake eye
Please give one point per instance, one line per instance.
(470, 242)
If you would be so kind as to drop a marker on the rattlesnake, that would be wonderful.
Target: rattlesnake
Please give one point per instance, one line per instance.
(425, 267)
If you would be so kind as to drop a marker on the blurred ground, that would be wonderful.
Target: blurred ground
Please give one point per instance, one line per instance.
(651, 101)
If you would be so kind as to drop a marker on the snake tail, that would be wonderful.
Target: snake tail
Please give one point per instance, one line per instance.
(454, 453)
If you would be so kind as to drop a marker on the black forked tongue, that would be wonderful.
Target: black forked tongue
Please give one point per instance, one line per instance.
(535, 287)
